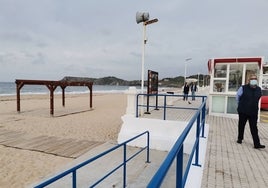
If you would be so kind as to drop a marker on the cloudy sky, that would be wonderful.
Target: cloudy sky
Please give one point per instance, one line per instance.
(50, 39)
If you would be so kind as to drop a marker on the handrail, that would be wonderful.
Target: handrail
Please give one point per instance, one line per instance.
(177, 152)
(165, 106)
(125, 160)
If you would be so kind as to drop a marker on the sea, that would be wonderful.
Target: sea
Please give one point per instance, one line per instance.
(9, 88)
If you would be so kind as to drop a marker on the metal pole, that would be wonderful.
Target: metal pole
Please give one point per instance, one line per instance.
(142, 65)
(125, 166)
(185, 68)
(198, 80)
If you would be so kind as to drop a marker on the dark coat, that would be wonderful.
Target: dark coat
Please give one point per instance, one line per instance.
(186, 89)
(249, 101)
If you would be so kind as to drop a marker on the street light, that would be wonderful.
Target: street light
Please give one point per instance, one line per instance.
(198, 79)
(185, 68)
(143, 17)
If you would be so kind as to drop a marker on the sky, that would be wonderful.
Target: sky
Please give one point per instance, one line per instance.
(50, 39)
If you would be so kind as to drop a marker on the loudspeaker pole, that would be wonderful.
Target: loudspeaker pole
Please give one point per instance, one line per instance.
(142, 65)
(143, 17)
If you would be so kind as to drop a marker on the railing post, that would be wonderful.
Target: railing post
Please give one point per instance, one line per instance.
(203, 118)
(165, 105)
(197, 140)
(156, 101)
(74, 179)
(148, 147)
(125, 166)
(179, 167)
(137, 106)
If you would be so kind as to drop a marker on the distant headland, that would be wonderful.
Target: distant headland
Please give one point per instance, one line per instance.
(111, 80)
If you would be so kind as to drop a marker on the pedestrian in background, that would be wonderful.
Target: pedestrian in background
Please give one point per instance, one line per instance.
(186, 92)
(193, 90)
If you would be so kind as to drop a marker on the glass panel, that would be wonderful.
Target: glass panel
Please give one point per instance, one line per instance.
(265, 82)
(231, 105)
(264, 92)
(251, 69)
(235, 77)
(218, 104)
(220, 70)
(265, 69)
(219, 86)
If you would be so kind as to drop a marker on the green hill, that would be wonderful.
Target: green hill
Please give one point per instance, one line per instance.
(111, 80)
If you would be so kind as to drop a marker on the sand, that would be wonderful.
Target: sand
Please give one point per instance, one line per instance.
(21, 168)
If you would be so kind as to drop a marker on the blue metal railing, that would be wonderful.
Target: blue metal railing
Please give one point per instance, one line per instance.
(177, 151)
(164, 106)
(123, 164)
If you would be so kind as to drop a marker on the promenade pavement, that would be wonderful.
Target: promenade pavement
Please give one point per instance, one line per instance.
(229, 164)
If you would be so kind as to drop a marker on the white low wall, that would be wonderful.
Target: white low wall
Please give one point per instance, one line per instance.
(163, 133)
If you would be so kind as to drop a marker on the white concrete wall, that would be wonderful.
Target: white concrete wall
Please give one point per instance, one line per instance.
(131, 101)
(163, 133)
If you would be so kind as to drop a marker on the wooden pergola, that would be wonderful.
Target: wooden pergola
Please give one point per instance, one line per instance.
(52, 85)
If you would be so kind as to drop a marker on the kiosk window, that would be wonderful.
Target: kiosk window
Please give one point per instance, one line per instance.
(235, 77)
(220, 70)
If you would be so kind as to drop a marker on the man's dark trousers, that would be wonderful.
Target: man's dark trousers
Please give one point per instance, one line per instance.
(252, 119)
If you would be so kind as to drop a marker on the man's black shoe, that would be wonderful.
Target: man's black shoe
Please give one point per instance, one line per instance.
(239, 141)
(259, 146)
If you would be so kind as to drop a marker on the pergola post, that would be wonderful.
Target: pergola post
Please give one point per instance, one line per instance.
(18, 87)
(63, 95)
(51, 89)
(90, 95)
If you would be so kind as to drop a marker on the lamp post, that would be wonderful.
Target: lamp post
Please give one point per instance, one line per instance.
(185, 68)
(143, 17)
(198, 79)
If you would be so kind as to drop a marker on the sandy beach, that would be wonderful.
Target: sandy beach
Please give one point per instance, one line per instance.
(21, 168)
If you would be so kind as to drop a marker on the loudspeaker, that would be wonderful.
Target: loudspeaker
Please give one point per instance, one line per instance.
(142, 17)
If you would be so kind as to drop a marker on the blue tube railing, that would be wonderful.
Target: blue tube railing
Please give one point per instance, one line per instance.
(177, 152)
(123, 164)
(164, 106)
